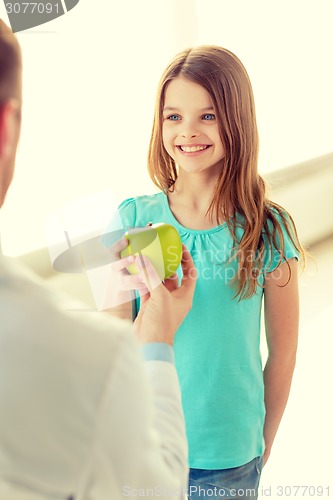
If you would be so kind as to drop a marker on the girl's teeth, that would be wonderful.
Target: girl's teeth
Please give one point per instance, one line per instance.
(192, 149)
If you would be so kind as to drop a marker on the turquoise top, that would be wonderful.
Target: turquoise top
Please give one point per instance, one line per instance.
(217, 347)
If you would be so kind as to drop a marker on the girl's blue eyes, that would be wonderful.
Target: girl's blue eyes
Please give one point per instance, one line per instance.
(207, 116)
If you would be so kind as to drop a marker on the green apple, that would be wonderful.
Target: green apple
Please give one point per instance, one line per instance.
(160, 242)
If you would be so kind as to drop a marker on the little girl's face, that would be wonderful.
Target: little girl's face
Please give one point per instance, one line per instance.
(190, 129)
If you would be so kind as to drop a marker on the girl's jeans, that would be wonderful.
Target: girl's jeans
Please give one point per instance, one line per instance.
(239, 483)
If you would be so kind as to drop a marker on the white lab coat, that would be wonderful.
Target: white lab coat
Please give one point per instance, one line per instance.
(80, 413)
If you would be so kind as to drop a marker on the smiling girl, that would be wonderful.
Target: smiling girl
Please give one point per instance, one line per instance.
(203, 158)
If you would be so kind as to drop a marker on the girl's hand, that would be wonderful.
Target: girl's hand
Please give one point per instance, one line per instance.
(122, 280)
(265, 457)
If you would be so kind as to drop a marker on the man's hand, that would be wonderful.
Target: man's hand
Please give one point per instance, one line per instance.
(165, 306)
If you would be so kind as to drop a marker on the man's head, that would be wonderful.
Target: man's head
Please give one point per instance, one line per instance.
(10, 105)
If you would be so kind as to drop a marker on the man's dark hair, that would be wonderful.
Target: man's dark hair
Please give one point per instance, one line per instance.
(10, 64)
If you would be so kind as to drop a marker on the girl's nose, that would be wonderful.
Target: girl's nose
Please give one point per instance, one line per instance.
(189, 130)
(189, 133)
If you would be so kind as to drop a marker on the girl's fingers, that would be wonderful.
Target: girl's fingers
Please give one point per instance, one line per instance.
(133, 282)
(147, 272)
(116, 248)
(121, 264)
(146, 279)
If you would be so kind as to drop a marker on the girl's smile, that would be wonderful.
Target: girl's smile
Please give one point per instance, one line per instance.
(192, 149)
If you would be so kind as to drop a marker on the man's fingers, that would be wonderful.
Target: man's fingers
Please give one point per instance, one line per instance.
(186, 290)
(144, 296)
(171, 283)
(189, 271)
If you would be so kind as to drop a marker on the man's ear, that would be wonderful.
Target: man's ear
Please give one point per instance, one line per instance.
(9, 127)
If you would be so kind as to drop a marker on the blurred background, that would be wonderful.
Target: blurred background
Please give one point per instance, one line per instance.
(89, 89)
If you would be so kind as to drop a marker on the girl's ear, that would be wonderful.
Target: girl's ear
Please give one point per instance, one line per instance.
(9, 127)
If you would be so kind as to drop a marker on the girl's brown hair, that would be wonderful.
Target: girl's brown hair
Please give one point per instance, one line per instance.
(240, 192)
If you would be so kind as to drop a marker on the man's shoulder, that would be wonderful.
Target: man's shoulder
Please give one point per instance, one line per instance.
(30, 309)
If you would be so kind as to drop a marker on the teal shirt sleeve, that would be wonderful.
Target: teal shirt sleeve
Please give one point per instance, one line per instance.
(122, 220)
(158, 351)
(272, 256)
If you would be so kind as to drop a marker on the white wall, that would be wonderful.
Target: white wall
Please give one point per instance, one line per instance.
(286, 47)
(89, 90)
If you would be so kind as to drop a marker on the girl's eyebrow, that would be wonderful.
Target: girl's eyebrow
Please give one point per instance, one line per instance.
(170, 108)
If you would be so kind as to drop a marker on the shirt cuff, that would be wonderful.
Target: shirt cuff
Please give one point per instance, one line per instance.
(158, 351)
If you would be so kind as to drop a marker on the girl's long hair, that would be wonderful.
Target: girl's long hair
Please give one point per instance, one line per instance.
(239, 190)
